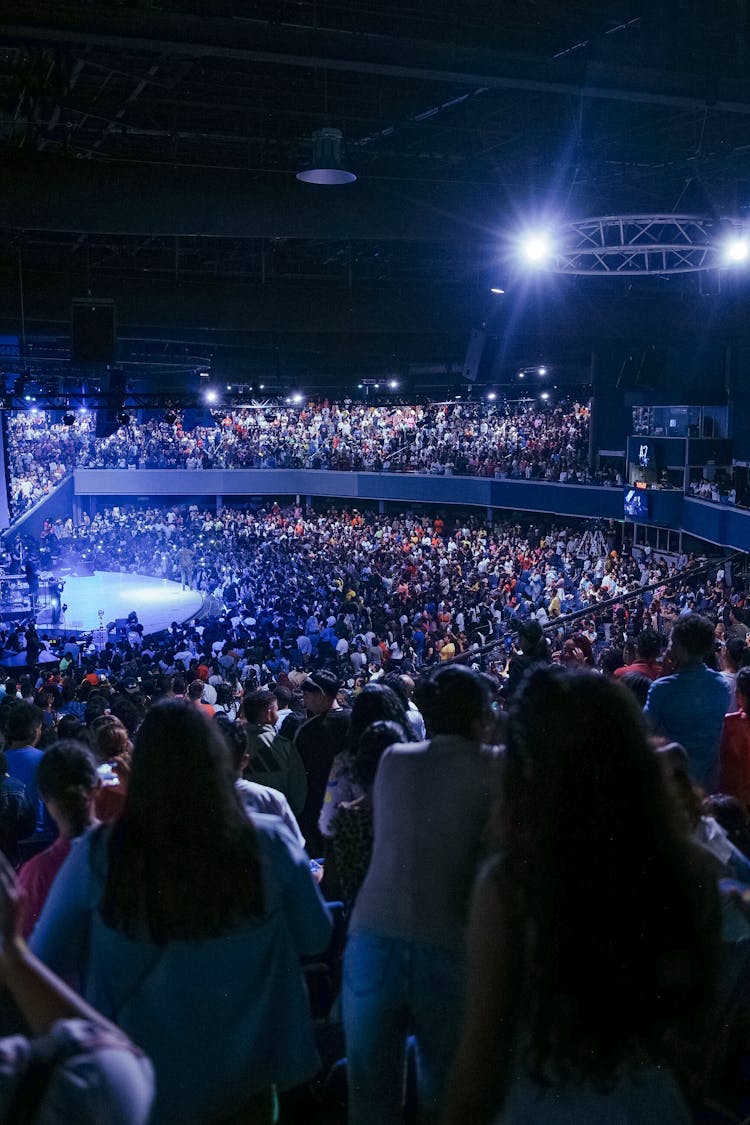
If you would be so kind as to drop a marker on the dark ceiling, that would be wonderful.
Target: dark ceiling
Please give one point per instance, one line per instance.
(149, 152)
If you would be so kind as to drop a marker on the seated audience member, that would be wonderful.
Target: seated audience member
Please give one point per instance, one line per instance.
(18, 814)
(351, 829)
(688, 707)
(274, 760)
(577, 1011)
(186, 920)
(404, 960)
(734, 752)
(68, 783)
(255, 798)
(76, 1066)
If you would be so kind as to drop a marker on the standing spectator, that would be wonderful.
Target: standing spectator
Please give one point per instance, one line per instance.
(577, 1011)
(404, 962)
(318, 741)
(185, 917)
(68, 782)
(734, 753)
(689, 706)
(18, 814)
(272, 759)
(24, 729)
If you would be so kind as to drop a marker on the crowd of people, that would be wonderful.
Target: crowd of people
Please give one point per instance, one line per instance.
(354, 585)
(524, 440)
(233, 839)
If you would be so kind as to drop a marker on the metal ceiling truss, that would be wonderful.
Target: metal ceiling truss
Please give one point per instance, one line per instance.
(641, 245)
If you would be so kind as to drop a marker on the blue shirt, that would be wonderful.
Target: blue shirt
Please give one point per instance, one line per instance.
(689, 707)
(22, 764)
(222, 1018)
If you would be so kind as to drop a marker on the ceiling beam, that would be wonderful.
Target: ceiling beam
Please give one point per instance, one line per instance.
(184, 36)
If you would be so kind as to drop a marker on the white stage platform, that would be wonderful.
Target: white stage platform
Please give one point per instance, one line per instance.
(157, 602)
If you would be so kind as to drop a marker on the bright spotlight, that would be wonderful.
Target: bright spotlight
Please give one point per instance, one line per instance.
(536, 247)
(544, 396)
(521, 374)
(211, 396)
(491, 396)
(296, 397)
(542, 370)
(393, 383)
(737, 250)
(497, 289)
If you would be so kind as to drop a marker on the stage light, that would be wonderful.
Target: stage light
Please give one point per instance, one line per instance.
(521, 374)
(542, 370)
(496, 289)
(491, 396)
(737, 250)
(536, 247)
(544, 396)
(296, 397)
(211, 396)
(393, 383)
(359, 386)
(83, 410)
(261, 386)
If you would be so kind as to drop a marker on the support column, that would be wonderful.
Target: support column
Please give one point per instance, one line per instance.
(381, 507)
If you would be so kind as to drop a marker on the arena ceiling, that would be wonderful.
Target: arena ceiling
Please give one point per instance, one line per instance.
(149, 154)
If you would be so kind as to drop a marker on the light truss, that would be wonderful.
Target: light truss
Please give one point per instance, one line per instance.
(639, 245)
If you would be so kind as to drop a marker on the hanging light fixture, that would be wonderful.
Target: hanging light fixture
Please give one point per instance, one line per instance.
(327, 166)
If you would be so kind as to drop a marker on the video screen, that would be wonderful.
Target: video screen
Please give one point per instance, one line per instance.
(636, 503)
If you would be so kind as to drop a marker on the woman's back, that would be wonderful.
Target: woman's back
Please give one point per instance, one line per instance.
(222, 1018)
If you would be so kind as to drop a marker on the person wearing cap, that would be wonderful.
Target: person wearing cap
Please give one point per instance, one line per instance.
(318, 741)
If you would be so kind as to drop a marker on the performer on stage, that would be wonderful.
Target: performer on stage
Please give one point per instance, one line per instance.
(31, 571)
(185, 562)
(55, 587)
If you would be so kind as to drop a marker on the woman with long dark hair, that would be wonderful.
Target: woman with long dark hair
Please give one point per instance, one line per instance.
(184, 921)
(594, 937)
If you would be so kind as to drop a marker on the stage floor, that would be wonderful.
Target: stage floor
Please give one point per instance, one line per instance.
(157, 602)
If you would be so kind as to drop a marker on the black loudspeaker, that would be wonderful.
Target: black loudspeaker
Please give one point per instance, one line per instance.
(474, 350)
(92, 331)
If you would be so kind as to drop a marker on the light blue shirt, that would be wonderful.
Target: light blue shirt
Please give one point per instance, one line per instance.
(689, 707)
(221, 1019)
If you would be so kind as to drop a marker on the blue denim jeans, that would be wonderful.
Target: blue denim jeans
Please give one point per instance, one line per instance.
(394, 988)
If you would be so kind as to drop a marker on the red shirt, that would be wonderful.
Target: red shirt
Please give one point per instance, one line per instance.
(734, 757)
(36, 877)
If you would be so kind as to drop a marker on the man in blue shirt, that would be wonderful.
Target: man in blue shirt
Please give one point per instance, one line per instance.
(689, 706)
(24, 730)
